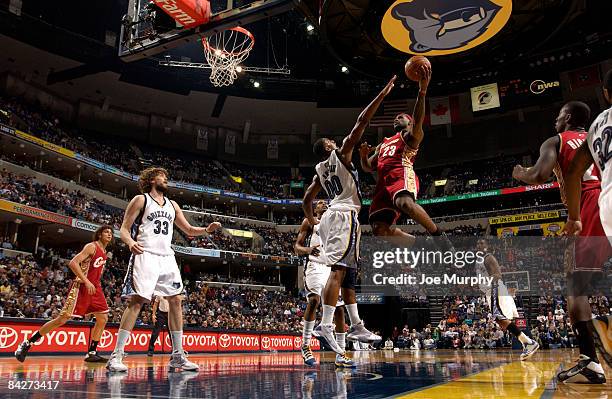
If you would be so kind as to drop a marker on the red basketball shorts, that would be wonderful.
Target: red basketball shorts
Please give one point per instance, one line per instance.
(79, 303)
(592, 248)
(388, 187)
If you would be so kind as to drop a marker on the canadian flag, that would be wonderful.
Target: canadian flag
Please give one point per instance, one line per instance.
(443, 110)
(439, 111)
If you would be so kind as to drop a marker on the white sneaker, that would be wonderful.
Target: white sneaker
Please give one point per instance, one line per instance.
(180, 361)
(327, 336)
(358, 332)
(345, 361)
(115, 363)
(529, 350)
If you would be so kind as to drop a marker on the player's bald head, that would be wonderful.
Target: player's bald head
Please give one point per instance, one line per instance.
(577, 113)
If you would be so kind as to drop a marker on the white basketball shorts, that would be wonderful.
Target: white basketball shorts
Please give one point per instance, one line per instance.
(340, 233)
(315, 278)
(149, 274)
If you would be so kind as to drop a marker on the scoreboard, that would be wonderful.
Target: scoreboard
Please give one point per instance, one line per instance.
(522, 92)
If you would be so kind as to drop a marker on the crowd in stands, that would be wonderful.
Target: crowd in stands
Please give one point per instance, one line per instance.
(36, 287)
(469, 177)
(271, 181)
(246, 276)
(26, 191)
(468, 324)
(553, 328)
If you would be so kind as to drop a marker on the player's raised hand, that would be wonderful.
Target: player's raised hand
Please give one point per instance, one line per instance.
(572, 228)
(136, 248)
(365, 149)
(314, 250)
(212, 227)
(389, 85)
(91, 289)
(425, 77)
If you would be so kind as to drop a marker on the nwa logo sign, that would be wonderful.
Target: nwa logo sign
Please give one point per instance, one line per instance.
(540, 86)
(439, 27)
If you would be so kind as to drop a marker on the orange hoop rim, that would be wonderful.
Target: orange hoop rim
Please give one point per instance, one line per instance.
(240, 29)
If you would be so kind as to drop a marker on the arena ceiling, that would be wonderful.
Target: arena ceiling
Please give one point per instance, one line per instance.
(540, 35)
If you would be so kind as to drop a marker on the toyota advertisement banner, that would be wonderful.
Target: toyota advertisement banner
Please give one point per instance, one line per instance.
(74, 338)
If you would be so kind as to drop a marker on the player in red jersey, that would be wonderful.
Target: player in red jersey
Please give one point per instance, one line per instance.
(84, 297)
(597, 147)
(398, 185)
(556, 155)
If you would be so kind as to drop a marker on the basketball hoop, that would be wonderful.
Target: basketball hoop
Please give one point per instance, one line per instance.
(224, 52)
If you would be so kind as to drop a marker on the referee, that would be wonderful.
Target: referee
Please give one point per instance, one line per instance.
(159, 316)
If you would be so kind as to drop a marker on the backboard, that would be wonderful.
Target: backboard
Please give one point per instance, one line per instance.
(147, 30)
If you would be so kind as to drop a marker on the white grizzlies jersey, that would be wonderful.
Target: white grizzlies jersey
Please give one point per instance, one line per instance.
(600, 144)
(153, 227)
(481, 270)
(340, 184)
(314, 239)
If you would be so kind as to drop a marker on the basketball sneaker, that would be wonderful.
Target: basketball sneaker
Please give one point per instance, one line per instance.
(529, 350)
(93, 357)
(602, 334)
(309, 359)
(115, 363)
(326, 335)
(358, 332)
(585, 371)
(345, 361)
(180, 361)
(22, 350)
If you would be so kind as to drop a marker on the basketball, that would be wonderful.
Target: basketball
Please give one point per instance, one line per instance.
(414, 65)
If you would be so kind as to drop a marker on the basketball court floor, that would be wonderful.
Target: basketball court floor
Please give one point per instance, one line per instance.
(424, 374)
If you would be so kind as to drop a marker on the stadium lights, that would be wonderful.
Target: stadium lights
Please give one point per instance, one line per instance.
(309, 28)
(344, 69)
(256, 84)
(238, 69)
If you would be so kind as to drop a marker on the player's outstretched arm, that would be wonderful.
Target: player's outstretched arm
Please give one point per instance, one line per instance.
(309, 197)
(299, 247)
(350, 141)
(192, 231)
(414, 136)
(580, 164)
(131, 213)
(543, 169)
(75, 265)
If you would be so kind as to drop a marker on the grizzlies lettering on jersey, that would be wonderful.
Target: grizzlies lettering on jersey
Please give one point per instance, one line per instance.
(340, 183)
(153, 228)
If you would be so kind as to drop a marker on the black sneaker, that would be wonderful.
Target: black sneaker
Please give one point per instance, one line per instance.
(585, 371)
(93, 357)
(22, 351)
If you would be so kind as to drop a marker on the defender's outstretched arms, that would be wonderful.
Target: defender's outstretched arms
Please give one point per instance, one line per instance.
(350, 141)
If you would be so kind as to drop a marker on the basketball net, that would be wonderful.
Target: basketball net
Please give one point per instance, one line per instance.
(225, 51)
